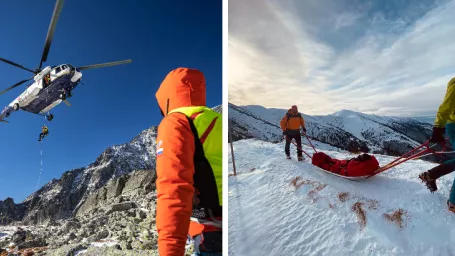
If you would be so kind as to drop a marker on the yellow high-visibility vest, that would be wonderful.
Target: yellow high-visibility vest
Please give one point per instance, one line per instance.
(208, 124)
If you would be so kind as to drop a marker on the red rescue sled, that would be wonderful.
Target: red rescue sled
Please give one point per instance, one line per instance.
(365, 166)
(361, 166)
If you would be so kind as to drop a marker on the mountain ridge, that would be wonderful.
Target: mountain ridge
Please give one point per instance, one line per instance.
(344, 129)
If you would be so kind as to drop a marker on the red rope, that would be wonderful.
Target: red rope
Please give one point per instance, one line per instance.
(310, 143)
(409, 156)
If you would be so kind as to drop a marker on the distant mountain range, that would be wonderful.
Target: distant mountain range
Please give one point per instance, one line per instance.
(343, 129)
(425, 119)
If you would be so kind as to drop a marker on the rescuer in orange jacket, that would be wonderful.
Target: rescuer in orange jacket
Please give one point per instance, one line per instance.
(290, 124)
(176, 167)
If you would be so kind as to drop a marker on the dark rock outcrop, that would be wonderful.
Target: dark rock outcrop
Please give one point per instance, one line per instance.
(136, 183)
(9, 211)
(120, 212)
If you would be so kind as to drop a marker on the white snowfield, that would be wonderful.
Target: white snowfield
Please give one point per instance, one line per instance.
(321, 214)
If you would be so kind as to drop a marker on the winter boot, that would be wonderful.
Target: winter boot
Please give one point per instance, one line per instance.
(300, 158)
(432, 175)
(451, 206)
(288, 156)
(429, 182)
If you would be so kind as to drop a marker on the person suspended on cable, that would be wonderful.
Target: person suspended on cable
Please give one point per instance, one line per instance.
(444, 123)
(290, 124)
(44, 132)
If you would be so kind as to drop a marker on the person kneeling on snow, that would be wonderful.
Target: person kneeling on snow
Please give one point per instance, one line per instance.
(290, 125)
(445, 122)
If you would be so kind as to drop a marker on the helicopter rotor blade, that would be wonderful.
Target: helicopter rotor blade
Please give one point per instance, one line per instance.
(67, 103)
(50, 33)
(16, 85)
(108, 64)
(16, 65)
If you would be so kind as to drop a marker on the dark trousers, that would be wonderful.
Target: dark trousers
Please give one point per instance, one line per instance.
(448, 166)
(441, 170)
(42, 135)
(298, 140)
(212, 244)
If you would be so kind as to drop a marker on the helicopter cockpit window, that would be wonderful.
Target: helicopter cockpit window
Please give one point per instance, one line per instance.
(57, 70)
(64, 67)
(47, 80)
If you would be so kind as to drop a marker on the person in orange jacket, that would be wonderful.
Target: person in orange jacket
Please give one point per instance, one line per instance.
(188, 166)
(290, 124)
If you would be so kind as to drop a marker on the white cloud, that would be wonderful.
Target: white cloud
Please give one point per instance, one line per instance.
(325, 56)
(345, 20)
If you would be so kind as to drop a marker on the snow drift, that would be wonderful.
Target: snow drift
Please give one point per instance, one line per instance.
(285, 207)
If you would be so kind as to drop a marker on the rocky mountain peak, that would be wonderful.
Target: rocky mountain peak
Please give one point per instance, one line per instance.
(60, 197)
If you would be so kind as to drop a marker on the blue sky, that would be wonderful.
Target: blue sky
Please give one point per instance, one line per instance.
(377, 57)
(115, 103)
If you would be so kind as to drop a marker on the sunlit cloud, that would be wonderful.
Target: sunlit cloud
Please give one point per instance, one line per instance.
(329, 55)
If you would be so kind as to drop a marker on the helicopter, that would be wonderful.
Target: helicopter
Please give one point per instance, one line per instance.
(51, 85)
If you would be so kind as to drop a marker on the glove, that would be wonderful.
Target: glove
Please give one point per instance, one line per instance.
(438, 135)
(304, 130)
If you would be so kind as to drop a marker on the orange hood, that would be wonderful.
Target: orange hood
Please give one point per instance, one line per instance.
(182, 87)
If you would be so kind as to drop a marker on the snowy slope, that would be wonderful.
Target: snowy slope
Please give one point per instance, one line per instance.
(245, 124)
(268, 215)
(369, 133)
